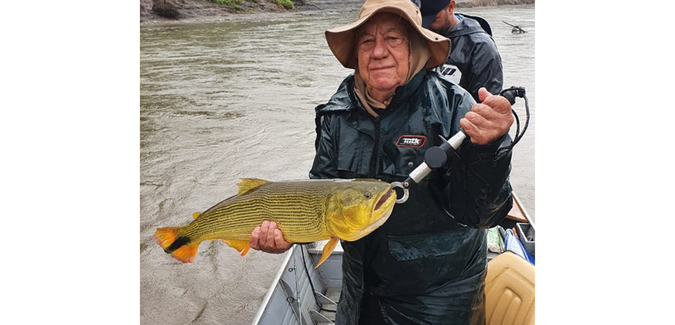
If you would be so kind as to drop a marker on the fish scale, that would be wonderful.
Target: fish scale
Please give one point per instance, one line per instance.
(237, 216)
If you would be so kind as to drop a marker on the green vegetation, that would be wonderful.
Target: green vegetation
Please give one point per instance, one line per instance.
(234, 4)
(288, 4)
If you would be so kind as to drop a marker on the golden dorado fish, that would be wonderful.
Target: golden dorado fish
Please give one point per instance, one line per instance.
(305, 211)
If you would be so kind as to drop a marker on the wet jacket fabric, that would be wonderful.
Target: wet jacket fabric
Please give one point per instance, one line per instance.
(474, 53)
(427, 263)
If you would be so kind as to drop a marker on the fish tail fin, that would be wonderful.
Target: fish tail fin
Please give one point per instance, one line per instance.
(180, 248)
(186, 253)
(165, 236)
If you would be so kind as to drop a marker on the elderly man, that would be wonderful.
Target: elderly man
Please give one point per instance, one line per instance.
(427, 263)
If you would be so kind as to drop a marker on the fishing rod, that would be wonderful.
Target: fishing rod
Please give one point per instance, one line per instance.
(436, 157)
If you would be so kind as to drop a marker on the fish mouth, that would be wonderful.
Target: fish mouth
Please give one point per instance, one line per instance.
(384, 198)
(374, 225)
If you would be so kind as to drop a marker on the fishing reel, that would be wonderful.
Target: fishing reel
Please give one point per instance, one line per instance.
(436, 157)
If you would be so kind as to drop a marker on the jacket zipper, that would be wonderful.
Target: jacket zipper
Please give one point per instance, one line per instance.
(375, 158)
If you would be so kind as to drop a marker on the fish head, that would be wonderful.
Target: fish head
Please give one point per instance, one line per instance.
(359, 207)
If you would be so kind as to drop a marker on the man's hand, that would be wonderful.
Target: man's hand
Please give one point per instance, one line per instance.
(268, 238)
(489, 120)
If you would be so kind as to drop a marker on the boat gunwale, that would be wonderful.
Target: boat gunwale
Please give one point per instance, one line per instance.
(270, 291)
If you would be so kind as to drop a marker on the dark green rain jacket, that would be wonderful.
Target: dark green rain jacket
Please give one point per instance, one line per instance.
(474, 53)
(424, 265)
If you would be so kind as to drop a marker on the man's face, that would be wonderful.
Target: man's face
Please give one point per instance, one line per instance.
(383, 52)
(441, 24)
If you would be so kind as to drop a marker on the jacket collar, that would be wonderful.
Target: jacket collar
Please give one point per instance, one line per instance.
(401, 94)
(346, 100)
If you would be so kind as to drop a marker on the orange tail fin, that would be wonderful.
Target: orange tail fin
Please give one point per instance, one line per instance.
(166, 237)
(187, 253)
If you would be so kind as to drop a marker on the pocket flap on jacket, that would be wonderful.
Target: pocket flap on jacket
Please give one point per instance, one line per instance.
(405, 248)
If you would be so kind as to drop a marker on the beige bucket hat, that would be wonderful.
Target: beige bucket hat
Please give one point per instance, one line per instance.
(341, 40)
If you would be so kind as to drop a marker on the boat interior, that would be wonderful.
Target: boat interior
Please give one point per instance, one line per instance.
(304, 295)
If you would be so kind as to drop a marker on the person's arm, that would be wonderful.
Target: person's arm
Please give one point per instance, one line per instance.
(486, 69)
(478, 188)
(325, 161)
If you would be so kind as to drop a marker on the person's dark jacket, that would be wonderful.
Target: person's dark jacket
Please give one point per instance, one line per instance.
(475, 54)
(423, 263)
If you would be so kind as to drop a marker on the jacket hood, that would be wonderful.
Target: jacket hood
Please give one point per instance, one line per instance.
(341, 100)
(465, 27)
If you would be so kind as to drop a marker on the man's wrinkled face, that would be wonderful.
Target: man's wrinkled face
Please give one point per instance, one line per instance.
(383, 52)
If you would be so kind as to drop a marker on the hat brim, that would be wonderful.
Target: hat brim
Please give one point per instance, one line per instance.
(341, 40)
(428, 20)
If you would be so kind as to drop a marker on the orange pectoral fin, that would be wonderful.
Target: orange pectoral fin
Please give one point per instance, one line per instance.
(240, 245)
(330, 246)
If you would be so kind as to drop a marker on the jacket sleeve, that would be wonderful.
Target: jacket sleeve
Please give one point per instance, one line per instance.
(325, 158)
(477, 185)
(486, 69)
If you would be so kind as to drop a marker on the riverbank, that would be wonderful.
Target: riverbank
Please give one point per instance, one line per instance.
(196, 11)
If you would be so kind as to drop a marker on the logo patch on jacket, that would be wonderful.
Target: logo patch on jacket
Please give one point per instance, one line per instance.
(411, 141)
(450, 72)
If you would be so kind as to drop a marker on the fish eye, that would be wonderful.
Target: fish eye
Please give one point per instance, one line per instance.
(367, 195)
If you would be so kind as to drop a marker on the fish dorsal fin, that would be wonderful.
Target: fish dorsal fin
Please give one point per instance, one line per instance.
(248, 184)
(196, 215)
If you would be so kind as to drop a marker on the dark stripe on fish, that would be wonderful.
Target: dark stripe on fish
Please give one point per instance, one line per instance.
(180, 242)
